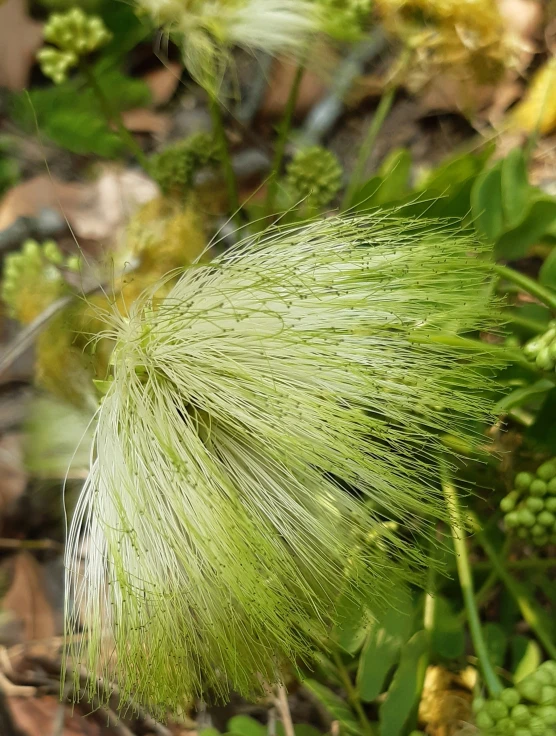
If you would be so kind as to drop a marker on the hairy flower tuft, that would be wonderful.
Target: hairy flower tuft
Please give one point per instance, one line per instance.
(209, 29)
(315, 176)
(264, 420)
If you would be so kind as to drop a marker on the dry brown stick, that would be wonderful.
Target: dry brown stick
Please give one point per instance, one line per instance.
(30, 544)
(283, 708)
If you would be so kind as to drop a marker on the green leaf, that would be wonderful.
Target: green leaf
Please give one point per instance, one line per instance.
(486, 203)
(395, 172)
(496, 642)
(523, 395)
(543, 431)
(246, 726)
(516, 189)
(405, 691)
(353, 622)
(526, 656)
(448, 635)
(300, 729)
(381, 650)
(539, 220)
(334, 705)
(547, 274)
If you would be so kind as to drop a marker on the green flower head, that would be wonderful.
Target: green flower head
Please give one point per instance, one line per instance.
(314, 176)
(265, 420)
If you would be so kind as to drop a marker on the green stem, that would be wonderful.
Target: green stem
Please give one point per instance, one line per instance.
(352, 695)
(113, 117)
(544, 295)
(527, 609)
(535, 563)
(283, 134)
(492, 681)
(229, 174)
(531, 325)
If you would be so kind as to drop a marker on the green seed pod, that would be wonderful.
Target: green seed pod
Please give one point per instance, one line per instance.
(523, 533)
(510, 697)
(520, 714)
(526, 518)
(547, 470)
(547, 713)
(496, 709)
(540, 540)
(546, 518)
(543, 360)
(548, 695)
(505, 726)
(314, 176)
(478, 704)
(529, 689)
(524, 480)
(537, 726)
(508, 503)
(534, 504)
(484, 720)
(550, 667)
(552, 486)
(538, 487)
(550, 504)
(538, 530)
(512, 519)
(522, 732)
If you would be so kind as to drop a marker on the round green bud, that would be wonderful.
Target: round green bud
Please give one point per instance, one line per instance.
(538, 487)
(512, 519)
(546, 518)
(529, 689)
(540, 540)
(478, 704)
(526, 518)
(522, 732)
(550, 504)
(483, 720)
(523, 532)
(542, 675)
(538, 530)
(508, 503)
(496, 709)
(520, 714)
(505, 726)
(552, 486)
(523, 481)
(534, 504)
(537, 726)
(510, 697)
(547, 713)
(548, 695)
(543, 360)
(549, 666)
(547, 470)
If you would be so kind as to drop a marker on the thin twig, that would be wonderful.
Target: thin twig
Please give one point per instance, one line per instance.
(31, 544)
(283, 708)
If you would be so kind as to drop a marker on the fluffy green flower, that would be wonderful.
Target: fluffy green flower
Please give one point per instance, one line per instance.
(209, 29)
(314, 176)
(264, 420)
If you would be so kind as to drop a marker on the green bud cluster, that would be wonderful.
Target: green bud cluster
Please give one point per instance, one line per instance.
(542, 349)
(528, 709)
(530, 509)
(32, 279)
(315, 176)
(74, 34)
(175, 167)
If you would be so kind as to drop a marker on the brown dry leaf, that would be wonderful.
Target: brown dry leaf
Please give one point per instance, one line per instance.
(282, 76)
(27, 599)
(13, 477)
(39, 716)
(20, 39)
(94, 210)
(163, 82)
(143, 120)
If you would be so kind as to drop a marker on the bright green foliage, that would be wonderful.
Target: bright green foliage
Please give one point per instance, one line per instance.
(542, 349)
(75, 34)
(346, 18)
(526, 710)
(314, 176)
(175, 167)
(32, 279)
(70, 115)
(246, 407)
(530, 509)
